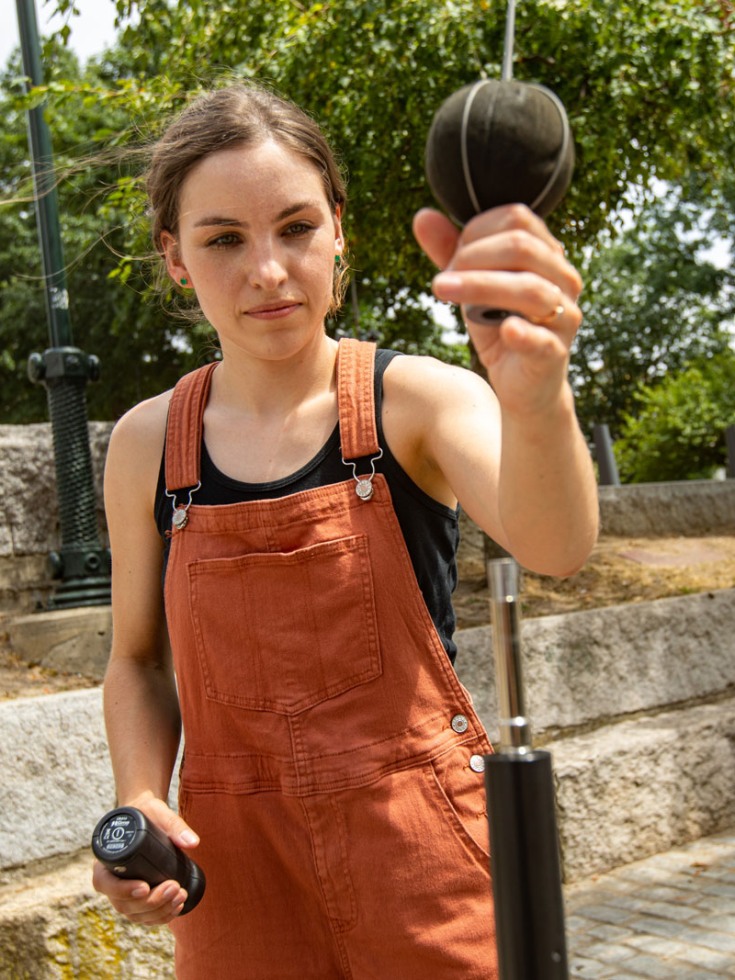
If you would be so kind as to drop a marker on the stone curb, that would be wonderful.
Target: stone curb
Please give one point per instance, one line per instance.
(57, 781)
(71, 641)
(53, 926)
(588, 668)
(635, 789)
(689, 507)
(621, 660)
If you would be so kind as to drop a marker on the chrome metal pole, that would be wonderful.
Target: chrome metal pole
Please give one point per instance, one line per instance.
(515, 728)
(524, 844)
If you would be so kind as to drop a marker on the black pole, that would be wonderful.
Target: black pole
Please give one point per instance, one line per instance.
(730, 443)
(81, 563)
(605, 456)
(524, 844)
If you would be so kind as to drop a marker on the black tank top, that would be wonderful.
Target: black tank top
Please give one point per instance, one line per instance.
(430, 530)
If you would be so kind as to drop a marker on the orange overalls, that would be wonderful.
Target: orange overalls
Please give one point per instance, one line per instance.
(332, 757)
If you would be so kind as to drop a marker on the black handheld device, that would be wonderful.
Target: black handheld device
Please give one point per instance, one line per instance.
(131, 847)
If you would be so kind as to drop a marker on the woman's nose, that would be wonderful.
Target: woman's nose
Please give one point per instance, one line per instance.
(267, 269)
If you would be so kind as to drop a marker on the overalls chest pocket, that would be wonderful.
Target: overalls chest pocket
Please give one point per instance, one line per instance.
(283, 632)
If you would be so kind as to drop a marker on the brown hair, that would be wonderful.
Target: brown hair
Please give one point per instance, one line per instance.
(243, 113)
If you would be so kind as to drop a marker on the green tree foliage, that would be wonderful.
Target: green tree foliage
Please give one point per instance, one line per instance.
(645, 87)
(678, 431)
(653, 302)
(648, 89)
(141, 348)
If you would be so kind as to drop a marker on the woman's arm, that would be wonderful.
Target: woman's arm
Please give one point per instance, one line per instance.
(140, 700)
(513, 455)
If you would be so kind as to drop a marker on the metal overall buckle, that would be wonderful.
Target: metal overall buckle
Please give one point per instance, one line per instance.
(364, 488)
(180, 511)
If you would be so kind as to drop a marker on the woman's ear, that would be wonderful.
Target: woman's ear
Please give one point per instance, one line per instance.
(339, 240)
(171, 256)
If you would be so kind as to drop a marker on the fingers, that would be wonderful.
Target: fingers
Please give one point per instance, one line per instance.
(544, 352)
(537, 298)
(511, 237)
(505, 259)
(436, 235)
(170, 822)
(545, 345)
(509, 217)
(539, 301)
(136, 900)
(518, 250)
(161, 814)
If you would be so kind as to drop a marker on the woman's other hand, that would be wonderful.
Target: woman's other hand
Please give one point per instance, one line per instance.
(136, 900)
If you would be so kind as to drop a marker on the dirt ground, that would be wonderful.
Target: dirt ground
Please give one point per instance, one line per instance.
(620, 570)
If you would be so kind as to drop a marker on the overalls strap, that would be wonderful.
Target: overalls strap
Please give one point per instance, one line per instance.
(356, 405)
(184, 428)
(356, 398)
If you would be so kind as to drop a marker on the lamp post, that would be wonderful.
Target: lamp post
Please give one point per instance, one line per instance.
(81, 563)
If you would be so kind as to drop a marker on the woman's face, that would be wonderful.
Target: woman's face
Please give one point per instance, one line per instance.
(256, 241)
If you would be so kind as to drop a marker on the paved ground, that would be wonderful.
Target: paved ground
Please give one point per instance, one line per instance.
(667, 917)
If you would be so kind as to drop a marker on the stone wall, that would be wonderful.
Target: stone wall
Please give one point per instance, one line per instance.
(56, 784)
(53, 926)
(636, 704)
(29, 510)
(687, 508)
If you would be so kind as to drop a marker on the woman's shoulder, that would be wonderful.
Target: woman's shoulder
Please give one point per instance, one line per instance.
(428, 381)
(140, 433)
(146, 419)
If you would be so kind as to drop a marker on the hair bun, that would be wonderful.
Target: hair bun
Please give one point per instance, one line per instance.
(499, 142)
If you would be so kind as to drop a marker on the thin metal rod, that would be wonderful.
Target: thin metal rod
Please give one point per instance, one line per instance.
(515, 728)
(510, 36)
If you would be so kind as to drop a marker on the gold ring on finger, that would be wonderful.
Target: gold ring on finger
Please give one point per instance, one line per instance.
(551, 318)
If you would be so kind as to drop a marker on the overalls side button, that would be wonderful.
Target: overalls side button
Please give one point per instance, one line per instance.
(460, 724)
(477, 763)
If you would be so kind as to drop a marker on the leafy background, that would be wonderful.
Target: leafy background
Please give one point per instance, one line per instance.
(649, 92)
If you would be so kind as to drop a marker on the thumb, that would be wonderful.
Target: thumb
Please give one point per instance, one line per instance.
(436, 235)
(174, 826)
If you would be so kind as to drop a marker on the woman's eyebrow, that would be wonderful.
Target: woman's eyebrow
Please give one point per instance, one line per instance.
(216, 220)
(221, 220)
(295, 208)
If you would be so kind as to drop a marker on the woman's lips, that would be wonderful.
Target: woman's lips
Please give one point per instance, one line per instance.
(273, 311)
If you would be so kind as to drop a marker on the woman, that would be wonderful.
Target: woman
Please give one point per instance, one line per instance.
(300, 499)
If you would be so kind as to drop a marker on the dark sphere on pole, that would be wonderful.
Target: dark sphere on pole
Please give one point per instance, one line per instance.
(499, 142)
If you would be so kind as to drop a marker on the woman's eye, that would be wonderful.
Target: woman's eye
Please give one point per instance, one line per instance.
(224, 241)
(299, 228)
